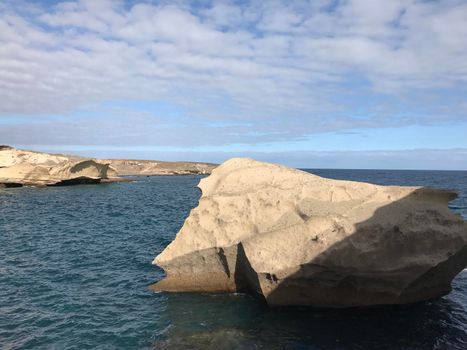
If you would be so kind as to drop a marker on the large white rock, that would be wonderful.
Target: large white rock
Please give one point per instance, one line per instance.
(298, 239)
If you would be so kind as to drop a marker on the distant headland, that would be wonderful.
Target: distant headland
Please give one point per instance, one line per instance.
(29, 168)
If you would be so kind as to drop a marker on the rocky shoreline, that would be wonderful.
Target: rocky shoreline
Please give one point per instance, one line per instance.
(28, 168)
(127, 167)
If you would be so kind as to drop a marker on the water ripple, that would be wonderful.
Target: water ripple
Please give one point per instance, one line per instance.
(75, 263)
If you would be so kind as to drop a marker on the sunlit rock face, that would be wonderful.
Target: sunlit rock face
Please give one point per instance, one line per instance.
(156, 167)
(18, 167)
(294, 238)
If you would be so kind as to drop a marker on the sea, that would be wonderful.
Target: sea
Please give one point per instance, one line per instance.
(75, 266)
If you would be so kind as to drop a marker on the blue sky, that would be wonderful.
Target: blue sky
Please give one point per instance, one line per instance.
(339, 84)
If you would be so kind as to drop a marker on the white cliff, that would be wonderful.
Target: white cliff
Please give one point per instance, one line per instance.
(18, 167)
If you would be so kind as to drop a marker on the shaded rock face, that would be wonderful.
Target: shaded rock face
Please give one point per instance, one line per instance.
(294, 238)
(19, 167)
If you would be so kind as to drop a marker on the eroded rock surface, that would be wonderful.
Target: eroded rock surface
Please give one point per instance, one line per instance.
(19, 167)
(294, 238)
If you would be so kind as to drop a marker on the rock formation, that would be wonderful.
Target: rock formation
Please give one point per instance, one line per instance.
(156, 167)
(294, 238)
(19, 168)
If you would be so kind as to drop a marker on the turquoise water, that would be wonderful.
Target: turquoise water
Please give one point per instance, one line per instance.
(75, 263)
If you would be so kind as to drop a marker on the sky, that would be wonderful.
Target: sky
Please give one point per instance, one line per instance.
(312, 84)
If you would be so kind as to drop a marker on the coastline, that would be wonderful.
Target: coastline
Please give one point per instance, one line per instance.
(30, 168)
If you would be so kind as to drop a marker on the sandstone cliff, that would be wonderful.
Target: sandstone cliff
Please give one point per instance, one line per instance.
(156, 167)
(19, 168)
(294, 238)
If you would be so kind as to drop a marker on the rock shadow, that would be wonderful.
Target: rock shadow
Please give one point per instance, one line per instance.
(77, 181)
(10, 184)
(408, 251)
(246, 278)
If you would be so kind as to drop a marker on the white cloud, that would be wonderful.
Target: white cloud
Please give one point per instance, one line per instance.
(281, 66)
(224, 15)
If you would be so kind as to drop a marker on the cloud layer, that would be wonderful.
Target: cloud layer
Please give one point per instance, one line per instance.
(235, 72)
